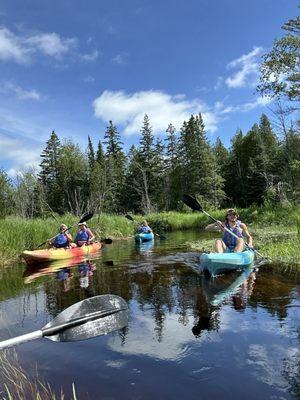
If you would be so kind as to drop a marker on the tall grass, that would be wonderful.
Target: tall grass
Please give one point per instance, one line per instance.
(18, 234)
(18, 385)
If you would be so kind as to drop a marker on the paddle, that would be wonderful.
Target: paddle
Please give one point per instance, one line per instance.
(193, 203)
(156, 234)
(88, 318)
(85, 218)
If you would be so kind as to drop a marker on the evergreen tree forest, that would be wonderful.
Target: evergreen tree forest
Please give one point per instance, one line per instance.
(258, 167)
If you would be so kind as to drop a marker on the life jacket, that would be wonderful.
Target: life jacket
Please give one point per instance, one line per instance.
(144, 229)
(61, 241)
(229, 239)
(82, 236)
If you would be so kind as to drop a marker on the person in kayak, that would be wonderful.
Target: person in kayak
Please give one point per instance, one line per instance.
(144, 228)
(229, 243)
(84, 235)
(63, 239)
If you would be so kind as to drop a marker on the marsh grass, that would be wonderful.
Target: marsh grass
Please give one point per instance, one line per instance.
(278, 229)
(18, 385)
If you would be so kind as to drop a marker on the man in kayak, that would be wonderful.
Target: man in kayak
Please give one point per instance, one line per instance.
(144, 228)
(63, 239)
(84, 235)
(229, 243)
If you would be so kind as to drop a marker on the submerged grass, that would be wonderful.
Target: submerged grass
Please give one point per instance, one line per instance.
(18, 385)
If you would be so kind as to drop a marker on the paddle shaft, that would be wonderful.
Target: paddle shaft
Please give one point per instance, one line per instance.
(52, 330)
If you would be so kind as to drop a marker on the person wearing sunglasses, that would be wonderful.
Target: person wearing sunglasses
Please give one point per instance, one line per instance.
(229, 243)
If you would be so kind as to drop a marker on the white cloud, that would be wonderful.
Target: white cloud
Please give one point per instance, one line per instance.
(20, 93)
(247, 73)
(20, 152)
(120, 59)
(128, 110)
(90, 57)
(11, 48)
(21, 49)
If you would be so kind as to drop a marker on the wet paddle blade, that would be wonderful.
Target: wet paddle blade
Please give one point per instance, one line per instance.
(91, 317)
(191, 202)
(86, 217)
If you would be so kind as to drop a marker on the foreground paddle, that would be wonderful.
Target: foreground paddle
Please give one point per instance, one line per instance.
(193, 203)
(88, 318)
(156, 234)
(85, 218)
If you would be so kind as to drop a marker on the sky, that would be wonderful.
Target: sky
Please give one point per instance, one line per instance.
(71, 66)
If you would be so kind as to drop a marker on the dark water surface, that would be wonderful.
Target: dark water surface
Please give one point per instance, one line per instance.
(236, 336)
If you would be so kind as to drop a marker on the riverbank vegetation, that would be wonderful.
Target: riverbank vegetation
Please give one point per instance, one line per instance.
(19, 385)
(276, 229)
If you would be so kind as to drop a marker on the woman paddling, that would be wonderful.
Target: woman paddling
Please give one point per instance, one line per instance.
(84, 235)
(144, 228)
(63, 239)
(229, 243)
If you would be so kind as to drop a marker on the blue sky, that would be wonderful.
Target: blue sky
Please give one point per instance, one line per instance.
(71, 66)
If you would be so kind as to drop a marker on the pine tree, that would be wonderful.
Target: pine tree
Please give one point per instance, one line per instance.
(91, 153)
(115, 165)
(50, 171)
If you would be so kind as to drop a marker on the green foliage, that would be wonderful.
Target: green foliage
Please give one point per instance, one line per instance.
(280, 73)
(6, 194)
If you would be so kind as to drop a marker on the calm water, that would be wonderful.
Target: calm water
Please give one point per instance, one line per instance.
(231, 337)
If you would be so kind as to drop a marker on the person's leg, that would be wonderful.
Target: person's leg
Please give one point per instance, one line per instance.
(239, 245)
(220, 246)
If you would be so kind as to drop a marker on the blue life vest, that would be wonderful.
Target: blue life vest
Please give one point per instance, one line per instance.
(82, 236)
(61, 241)
(144, 229)
(230, 240)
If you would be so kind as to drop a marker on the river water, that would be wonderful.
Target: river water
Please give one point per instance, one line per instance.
(189, 336)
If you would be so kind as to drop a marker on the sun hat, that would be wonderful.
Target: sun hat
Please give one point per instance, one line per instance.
(82, 223)
(232, 211)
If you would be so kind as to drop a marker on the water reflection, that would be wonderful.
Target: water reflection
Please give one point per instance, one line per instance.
(239, 327)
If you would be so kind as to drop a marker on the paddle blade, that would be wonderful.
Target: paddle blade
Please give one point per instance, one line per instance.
(129, 217)
(107, 241)
(191, 202)
(91, 317)
(86, 217)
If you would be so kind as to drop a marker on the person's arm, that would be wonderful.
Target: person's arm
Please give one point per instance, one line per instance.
(68, 236)
(91, 235)
(247, 235)
(215, 227)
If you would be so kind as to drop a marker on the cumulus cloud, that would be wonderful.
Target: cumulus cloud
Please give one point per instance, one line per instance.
(90, 57)
(21, 49)
(120, 59)
(20, 93)
(128, 110)
(246, 66)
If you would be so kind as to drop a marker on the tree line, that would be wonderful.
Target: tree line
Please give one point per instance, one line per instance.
(153, 176)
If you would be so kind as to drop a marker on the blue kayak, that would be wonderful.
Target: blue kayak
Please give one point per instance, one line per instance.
(144, 237)
(217, 263)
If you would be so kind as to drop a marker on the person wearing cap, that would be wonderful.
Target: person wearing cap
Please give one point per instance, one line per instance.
(63, 239)
(84, 235)
(229, 243)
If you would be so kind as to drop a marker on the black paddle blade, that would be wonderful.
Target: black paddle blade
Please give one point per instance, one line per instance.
(91, 317)
(107, 241)
(191, 202)
(86, 217)
(129, 217)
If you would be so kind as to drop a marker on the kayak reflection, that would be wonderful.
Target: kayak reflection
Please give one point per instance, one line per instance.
(145, 248)
(64, 272)
(238, 286)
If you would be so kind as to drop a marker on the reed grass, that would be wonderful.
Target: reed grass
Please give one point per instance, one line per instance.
(18, 385)
(273, 224)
